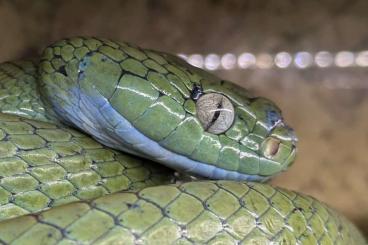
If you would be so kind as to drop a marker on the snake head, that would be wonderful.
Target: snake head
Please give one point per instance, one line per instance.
(157, 106)
(254, 138)
(248, 134)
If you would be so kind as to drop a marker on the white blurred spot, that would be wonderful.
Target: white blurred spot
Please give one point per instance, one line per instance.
(196, 60)
(283, 59)
(323, 59)
(228, 61)
(344, 59)
(246, 60)
(303, 59)
(264, 61)
(183, 56)
(362, 59)
(212, 62)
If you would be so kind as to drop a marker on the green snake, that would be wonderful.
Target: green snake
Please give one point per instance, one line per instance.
(60, 186)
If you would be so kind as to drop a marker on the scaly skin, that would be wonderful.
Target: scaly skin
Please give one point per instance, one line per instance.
(18, 90)
(96, 84)
(222, 212)
(43, 165)
(146, 103)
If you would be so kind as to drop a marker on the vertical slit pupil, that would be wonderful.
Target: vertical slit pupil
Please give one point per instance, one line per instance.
(217, 112)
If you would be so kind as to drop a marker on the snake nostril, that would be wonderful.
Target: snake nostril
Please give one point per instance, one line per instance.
(272, 147)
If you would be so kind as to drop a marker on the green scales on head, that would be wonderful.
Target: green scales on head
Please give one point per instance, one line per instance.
(156, 105)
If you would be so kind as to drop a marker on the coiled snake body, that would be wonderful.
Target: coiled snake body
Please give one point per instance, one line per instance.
(59, 186)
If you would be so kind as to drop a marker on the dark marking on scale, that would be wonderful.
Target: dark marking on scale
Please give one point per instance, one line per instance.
(196, 92)
(62, 70)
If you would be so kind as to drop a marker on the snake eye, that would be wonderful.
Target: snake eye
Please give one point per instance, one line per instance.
(215, 112)
(271, 147)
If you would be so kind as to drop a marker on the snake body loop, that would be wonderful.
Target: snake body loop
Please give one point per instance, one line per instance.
(68, 188)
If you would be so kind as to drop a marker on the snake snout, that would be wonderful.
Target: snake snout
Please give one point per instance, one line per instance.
(280, 145)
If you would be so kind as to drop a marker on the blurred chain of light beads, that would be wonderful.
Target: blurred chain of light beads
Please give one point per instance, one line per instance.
(281, 60)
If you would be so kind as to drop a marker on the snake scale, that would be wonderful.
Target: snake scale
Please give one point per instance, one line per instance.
(60, 186)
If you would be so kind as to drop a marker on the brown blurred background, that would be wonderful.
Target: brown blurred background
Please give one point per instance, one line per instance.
(328, 107)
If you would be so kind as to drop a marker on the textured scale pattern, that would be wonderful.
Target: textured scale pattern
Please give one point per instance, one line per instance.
(221, 212)
(153, 88)
(43, 165)
(18, 90)
(69, 189)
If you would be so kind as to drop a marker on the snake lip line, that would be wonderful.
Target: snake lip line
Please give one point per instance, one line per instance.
(128, 135)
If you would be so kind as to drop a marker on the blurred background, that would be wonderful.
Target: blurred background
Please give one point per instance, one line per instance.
(307, 56)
